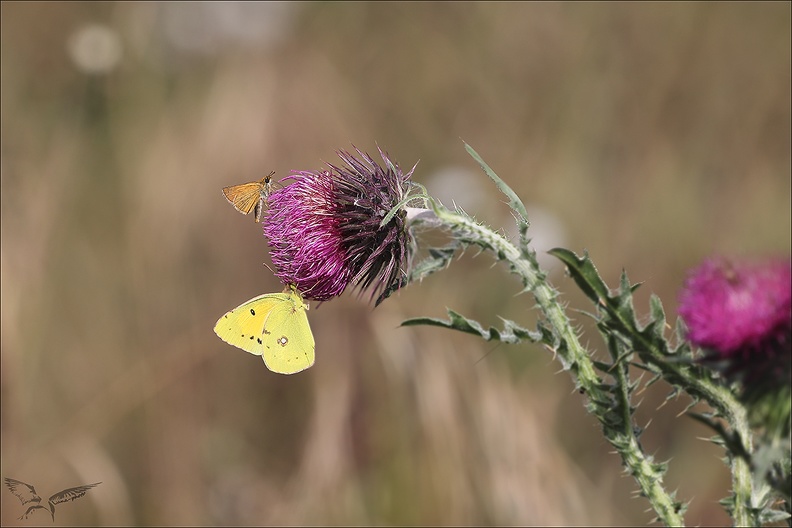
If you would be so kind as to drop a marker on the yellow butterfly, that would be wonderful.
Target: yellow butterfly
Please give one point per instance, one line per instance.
(274, 326)
(249, 196)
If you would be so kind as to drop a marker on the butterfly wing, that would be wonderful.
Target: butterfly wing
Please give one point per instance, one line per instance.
(243, 327)
(274, 326)
(289, 345)
(244, 197)
(251, 196)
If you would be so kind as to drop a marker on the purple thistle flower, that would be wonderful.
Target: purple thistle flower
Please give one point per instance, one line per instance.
(741, 313)
(324, 228)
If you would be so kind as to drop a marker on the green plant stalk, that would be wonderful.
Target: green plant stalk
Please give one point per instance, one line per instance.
(745, 508)
(574, 357)
(746, 505)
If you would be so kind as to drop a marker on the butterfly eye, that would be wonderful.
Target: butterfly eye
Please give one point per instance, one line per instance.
(283, 341)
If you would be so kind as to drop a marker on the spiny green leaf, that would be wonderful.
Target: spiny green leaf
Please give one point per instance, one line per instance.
(514, 201)
(617, 317)
(730, 439)
(511, 332)
(437, 260)
(584, 273)
(768, 516)
(658, 314)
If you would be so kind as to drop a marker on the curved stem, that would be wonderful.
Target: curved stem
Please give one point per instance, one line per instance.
(618, 429)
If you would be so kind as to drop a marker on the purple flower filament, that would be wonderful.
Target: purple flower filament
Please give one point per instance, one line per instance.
(324, 228)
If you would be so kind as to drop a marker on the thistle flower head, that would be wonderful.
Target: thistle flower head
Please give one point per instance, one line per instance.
(732, 306)
(324, 227)
(741, 314)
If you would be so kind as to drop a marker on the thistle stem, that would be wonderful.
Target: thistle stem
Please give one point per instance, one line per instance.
(617, 428)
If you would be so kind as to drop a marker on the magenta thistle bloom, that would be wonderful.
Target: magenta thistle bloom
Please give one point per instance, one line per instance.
(741, 313)
(324, 228)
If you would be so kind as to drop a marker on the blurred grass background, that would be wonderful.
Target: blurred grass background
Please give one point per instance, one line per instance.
(652, 135)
